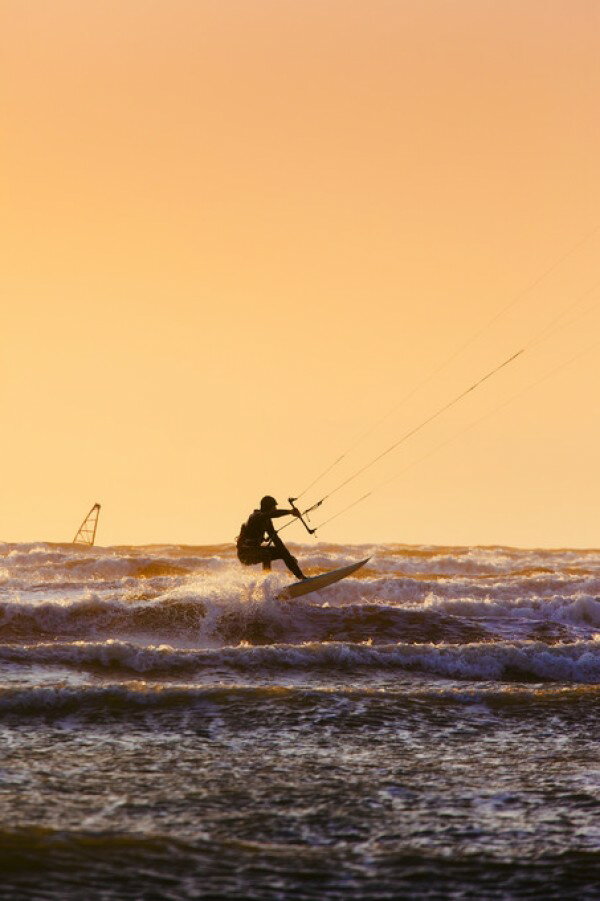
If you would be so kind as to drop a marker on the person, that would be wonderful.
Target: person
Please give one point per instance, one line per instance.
(258, 529)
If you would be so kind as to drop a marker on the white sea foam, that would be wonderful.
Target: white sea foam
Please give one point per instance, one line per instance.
(578, 610)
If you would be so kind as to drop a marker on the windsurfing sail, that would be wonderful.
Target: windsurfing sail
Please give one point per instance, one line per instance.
(321, 581)
(86, 533)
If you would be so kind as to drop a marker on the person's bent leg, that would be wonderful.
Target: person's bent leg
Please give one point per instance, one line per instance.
(278, 551)
(292, 565)
(290, 562)
(267, 555)
(254, 555)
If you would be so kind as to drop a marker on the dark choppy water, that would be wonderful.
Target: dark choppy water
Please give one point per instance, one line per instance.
(429, 730)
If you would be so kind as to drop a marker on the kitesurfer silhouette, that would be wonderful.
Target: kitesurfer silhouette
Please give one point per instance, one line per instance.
(258, 542)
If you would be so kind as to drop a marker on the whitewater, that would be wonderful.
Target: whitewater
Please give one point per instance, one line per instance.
(427, 728)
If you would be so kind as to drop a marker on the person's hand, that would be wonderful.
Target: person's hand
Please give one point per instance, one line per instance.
(296, 513)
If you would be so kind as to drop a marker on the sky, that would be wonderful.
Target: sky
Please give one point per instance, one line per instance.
(237, 234)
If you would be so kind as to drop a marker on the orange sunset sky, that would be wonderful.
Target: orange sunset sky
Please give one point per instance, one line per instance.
(236, 233)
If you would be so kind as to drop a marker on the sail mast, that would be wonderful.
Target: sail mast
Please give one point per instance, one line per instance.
(86, 533)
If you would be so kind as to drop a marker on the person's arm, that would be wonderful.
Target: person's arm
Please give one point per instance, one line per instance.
(277, 513)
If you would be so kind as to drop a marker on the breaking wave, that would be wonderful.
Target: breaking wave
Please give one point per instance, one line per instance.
(515, 661)
(201, 597)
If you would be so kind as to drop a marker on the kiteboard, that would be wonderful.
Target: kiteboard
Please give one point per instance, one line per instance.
(296, 589)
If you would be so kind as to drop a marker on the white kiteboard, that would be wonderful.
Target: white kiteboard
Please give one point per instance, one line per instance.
(316, 582)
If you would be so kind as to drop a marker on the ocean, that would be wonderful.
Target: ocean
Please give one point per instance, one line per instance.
(428, 728)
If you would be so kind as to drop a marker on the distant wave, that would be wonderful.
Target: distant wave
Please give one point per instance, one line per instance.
(390, 558)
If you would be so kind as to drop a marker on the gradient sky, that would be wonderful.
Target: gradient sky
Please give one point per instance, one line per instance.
(235, 234)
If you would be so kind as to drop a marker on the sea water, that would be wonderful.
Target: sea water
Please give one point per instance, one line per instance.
(428, 728)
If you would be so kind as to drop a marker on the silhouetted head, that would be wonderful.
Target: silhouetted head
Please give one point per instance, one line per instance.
(268, 503)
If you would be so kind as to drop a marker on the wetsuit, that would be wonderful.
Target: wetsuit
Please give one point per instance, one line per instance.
(250, 547)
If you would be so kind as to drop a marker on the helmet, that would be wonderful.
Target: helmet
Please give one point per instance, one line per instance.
(267, 503)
